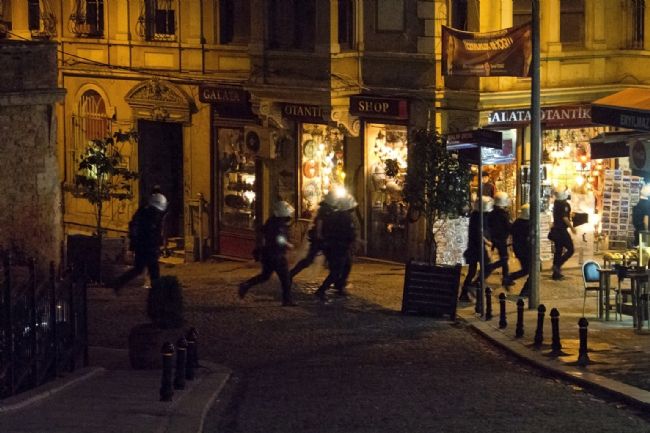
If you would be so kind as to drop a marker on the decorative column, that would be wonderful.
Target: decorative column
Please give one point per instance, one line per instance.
(20, 22)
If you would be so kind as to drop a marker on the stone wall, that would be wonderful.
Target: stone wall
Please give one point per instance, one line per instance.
(30, 198)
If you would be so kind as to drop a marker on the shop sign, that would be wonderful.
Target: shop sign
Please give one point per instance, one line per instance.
(369, 106)
(223, 95)
(303, 111)
(578, 115)
(503, 53)
(624, 118)
(475, 138)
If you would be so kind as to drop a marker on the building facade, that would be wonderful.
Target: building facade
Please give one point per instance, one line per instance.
(238, 103)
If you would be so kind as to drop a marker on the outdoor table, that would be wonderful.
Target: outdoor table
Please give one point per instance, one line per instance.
(605, 276)
(639, 280)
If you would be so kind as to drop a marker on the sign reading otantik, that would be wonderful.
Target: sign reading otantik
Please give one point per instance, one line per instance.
(313, 113)
(570, 115)
(503, 53)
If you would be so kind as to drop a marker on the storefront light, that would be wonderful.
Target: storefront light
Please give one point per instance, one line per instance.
(380, 141)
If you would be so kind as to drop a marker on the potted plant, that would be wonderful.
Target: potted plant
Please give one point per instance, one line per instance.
(436, 190)
(165, 311)
(101, 177)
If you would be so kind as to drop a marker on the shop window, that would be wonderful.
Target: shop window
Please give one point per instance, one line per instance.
(237, 172)
(322, 164)
(157, 21)
(636, 17)
(292, 24)
(521, 12)
(234, 22)
(346, 24)
(387, 156)
(459, 14)
(40, 18)
(87, 18)
(572, 22)
(90, 122)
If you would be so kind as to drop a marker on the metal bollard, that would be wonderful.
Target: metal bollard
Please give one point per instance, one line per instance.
(539, 332)
(488, 303)
(503, 323)
(478, 308)
(192, 359)
(166, 390)
(556, 346)
(583, 357)
(181, 361)
(519, 328)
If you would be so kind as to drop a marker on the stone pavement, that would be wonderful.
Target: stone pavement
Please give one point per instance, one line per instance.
(110, 397)
(619, 355)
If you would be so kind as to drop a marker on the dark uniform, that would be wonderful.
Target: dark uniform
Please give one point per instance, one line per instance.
(499, 224)
(520, 231)
(315, 238)
(275, 234)
(640, 210)
(473, 252)
(145, 237)
(560, 236)
(339, 235)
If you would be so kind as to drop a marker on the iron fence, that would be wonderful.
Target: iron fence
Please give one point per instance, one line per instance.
(43, 325)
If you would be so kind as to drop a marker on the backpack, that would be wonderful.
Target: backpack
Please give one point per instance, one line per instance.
(135, 229)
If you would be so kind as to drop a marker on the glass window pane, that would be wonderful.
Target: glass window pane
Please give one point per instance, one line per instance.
(237, 172)
(322, 164)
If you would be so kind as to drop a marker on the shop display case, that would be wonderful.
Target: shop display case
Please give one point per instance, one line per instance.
(322, 164)
(237, 180)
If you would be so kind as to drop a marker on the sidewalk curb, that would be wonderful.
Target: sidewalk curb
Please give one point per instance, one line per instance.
(189, 413)
(581, 376)
(48, 389)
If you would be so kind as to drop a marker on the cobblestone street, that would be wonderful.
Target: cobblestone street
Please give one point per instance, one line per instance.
(355, 364)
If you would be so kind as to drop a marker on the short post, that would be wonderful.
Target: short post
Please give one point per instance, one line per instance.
(583, 357)
(478, 308)
(166, 391)
(192, 360)
(556, 346)
(503, 323)
(519, 329)
(539, 332)
(181, 361)
(488, 303)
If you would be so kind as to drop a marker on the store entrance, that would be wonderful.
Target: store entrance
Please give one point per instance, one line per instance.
(386, 156)
(160, 162)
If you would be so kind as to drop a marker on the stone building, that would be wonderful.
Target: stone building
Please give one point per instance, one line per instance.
(241, 102)
(31, 217)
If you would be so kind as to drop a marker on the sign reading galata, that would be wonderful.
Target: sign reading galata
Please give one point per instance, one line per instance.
(577, 114)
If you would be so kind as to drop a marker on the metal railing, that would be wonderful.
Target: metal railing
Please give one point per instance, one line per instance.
(43, 326)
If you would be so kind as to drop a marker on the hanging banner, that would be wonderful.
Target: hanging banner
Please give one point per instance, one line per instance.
(504, 53)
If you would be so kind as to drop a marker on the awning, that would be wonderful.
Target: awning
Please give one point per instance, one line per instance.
(612, 144)
(629, 108)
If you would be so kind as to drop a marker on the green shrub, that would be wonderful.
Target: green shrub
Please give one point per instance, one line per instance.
(165, 302)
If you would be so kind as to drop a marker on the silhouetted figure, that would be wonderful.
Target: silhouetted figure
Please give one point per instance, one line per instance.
(499, 223)
(475, 242)
(559, 235)
(275, 238)
(521, 246)
(339, 236)
(145, 238)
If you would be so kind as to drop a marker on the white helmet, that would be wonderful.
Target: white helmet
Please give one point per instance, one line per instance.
(524, 212)
(282, 209)
(645, 191)
(347, 203)
(561, 193)
(330, 198)
(488, 204)
(158, 201)
(501, 199)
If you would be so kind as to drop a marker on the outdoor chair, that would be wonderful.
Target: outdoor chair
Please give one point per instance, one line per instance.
(591, 281)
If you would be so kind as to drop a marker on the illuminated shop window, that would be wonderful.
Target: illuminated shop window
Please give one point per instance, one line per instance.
(387, 156)
(87, 18)
(237, 172)
(90, 122)
(322, 164)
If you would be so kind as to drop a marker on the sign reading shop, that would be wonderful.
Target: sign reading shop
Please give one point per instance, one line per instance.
(369, 106)
(578, 115)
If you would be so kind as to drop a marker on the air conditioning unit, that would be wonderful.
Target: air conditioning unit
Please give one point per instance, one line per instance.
(261, 141)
